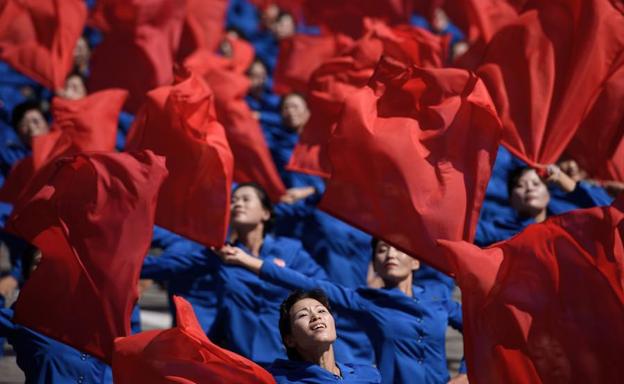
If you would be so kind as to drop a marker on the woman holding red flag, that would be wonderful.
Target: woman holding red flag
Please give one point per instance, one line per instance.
(405, 323)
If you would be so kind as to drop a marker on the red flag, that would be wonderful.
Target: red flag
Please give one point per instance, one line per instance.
(347, 16)
(204, 26)
(411, 157)
(138, 50)
(300, 55)
(179, 122)
(38, 37)
(598, 146)
(84, 125)
(182, 354)
(91, 216)
(341, 76)
(542, 90)
(252, 159)
(546, 306)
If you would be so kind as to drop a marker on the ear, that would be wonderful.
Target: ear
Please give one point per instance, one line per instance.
(415, 264)
(266, 215)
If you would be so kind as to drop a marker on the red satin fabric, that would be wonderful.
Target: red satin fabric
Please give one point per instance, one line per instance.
(85, 125)
(563, 53)
(203, 27)
(252, 159)
(182, 354)
(547, 305)
(91, 215)
(179, 122)
(140, 42)
(341, 76)
(411, 157)
(38, 37)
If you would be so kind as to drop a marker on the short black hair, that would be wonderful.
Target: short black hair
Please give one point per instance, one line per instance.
(264, 200)
(284, 320)
(298, 94)
(514, 176)
(20, 110)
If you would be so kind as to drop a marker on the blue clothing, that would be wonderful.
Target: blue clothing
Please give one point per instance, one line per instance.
(11, 149)
(267, 48)
(243, 16)
(456, 34)
(241, 309)
(407, 333)
(288, 371)
(585, 195)
(45, 360)
(344, 252)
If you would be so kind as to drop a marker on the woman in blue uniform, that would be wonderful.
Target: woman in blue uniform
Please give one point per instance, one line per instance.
(405, 323)
(247, 306)
(308, 331)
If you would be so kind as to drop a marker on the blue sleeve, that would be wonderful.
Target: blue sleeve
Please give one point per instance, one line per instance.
(177, 261)
(455, 321)
(586, 195)
(304, 264)
(339, 297)
(6, 322)
(487, 233)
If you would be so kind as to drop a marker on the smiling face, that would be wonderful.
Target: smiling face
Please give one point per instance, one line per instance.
(392, 265)
(529, 195)
(247, 208)
(312, 326)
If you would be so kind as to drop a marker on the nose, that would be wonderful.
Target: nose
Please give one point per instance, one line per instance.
(315, 316)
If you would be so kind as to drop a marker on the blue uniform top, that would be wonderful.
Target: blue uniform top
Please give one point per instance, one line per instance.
(344, 253)
(289, 371)
(45, 360)
(241, 309)
(407, 333)
(243, 16)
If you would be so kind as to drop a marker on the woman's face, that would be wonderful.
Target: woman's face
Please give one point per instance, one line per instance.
(295, 112)
(530, 195)
(393, 265)
(75, 88)
(247, 209)
(312, 326)
(32, 124)
(257, 75)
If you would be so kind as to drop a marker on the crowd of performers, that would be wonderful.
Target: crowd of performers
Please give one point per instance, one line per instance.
(307, 296)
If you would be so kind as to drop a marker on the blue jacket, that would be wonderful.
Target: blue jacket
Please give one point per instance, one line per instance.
(288, 371)
(240, 309)
(407, 333)
(45, 360)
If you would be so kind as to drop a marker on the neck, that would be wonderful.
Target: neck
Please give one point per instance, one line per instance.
(252, 238)
(323, 358)
(404, 285)
(541, 216)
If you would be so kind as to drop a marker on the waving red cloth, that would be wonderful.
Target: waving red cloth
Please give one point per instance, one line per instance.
(547, 305)
(565, 51)
(204, 26)
(139, 46)
(347, 16)
(598, 145)
(341, 76)
(85, 125)
(179, 123)
(91, 216)
(252, 159)
(38, 37)
(300, 55)
(182, 354)
(411, 157)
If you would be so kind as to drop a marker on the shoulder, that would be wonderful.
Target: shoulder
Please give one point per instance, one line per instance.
(359, 373)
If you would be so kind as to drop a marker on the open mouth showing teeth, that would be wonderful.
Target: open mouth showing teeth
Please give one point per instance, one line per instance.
(318, 326)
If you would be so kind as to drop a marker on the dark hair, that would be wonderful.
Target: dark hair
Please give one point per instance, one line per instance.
(287, 304)
(286, 96)
(514, 176)
(264, 200)
(257, 60)
(282, 13)
(374, 242)
(76, 72)
(21, 109)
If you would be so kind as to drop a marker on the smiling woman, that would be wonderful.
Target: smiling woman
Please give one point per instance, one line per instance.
(308, 331)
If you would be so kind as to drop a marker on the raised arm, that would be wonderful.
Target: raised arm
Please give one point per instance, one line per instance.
(180, 258)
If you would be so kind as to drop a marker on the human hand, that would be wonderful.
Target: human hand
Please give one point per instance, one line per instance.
(462, 378)
(236, 256)
(8, 285)
(559, 178)
(293, 195)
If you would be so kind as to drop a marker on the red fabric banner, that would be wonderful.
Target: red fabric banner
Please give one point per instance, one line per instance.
(179, 122)
(91, 216)
(564, 52)
(252, 159)
(182, 354)
(204, 26)
(411, 157)
(341, 76)
(140, 42)
(85, 125)
(547, 305)
(38, 37)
